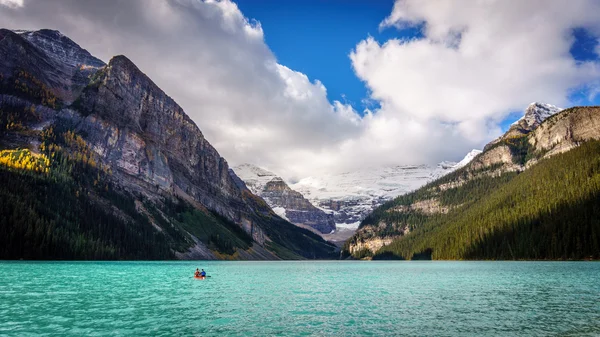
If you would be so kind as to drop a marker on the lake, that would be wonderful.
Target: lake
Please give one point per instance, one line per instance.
(300, 298)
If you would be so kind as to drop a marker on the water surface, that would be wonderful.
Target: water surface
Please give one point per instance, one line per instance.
(300, 298)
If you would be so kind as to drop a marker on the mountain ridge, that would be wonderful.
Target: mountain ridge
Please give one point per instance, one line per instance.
(115, 124)
(477, 203)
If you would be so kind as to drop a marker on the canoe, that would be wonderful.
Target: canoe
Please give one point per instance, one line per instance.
(200, 277)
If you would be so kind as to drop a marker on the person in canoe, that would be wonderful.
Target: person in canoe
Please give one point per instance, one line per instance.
(197, 273)
(203, 273)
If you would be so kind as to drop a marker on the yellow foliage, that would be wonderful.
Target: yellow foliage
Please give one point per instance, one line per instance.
(30, 85)
(75, 148)
(23, 159)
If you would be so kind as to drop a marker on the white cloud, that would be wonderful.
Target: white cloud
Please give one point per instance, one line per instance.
(214, 62)
(439, 96)
(477, 62)
(11, 3)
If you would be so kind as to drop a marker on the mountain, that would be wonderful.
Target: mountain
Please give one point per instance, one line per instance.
(534, 115)
(351, 196)
(61, 49)
(531, 194)
(286, 202)
(61, 63)
(341, 200)
(99, 163)
(467, 159)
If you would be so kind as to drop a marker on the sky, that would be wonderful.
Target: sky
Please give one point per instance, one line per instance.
(324, 33)
(307, 87)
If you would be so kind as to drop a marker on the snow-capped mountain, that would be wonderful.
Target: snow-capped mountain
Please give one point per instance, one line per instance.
(284, 201)
(467, 159)
(535, 114)
(348, 196)
(254, 177)
(351, 196)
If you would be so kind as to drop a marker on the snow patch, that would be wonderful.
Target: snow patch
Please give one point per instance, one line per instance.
(353, 195)
(256, 178)
(536, 113)
(281, 212)
(467, 159)
(353, 225)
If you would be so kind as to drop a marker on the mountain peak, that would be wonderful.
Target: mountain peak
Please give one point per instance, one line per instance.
(535, 114)
(122, 61)
(256, 178)
(247, 169)
(468, 158)
(140, 147)
(61, 48)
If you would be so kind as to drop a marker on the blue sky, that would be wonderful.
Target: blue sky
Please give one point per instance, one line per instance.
(316, 36)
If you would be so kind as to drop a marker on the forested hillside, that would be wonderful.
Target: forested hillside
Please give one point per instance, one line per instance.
(61, 203)
(536, 206)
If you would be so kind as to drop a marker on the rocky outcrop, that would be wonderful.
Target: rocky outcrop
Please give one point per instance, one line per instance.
(57, 64)
(286, 202)
(61, 49)
(368, 238)
(372, 245)
(297, 209)
(496, 156)
(567, 130)
(427, 206)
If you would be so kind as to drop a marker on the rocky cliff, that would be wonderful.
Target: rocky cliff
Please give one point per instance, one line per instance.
(286, 202)
(565, 131)
(150, 138)
(114, 117)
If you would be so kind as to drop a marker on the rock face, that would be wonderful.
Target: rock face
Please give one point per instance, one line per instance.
(147, 143)
(499, 155)
(61, 49)
(61, 64)
(284, 201)
(371, 245)
(566, 130)
(152, 139)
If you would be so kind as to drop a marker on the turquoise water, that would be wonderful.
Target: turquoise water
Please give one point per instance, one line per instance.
(300, 298)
